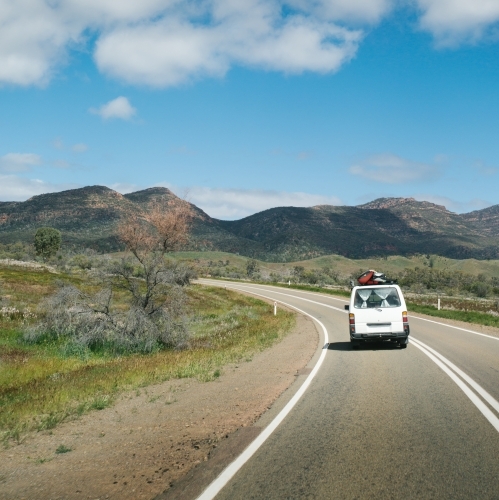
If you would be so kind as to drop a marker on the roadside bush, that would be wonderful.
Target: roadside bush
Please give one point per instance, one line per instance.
(140, 305)
(97, 322)
(81, 261)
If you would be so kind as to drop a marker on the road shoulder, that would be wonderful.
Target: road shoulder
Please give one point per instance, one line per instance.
(151, 438)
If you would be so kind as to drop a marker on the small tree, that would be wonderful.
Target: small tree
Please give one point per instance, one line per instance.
(252, 267)
(47, 242)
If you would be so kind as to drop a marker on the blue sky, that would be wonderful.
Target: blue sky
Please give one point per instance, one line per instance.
(244, 105)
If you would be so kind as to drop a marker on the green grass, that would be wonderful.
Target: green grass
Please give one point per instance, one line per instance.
(41, 387)
(63, 449)
(475, 317)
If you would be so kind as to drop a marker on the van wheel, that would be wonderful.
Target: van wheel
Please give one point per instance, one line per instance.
(355, 344)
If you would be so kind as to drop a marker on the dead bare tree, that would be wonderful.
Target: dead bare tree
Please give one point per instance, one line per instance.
(156, 311)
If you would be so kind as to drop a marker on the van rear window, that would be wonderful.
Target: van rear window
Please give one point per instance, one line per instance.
(376, 297)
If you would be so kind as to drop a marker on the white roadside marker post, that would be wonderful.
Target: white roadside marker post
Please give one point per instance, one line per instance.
(438, 304)
(275, 308)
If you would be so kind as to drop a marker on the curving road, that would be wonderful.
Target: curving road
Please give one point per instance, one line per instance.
(378, 422)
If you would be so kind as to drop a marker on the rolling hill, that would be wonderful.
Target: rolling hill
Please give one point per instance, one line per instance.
(88, 217)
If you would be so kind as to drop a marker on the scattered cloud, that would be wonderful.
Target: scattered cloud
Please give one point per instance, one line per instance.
(484, 169)
(227, 203)
(304, 155)
(19, 162)
(117, 108)
(61, 164)
(125, 187)
(169, 42)
(454, 205)
(58, 144)
(178, 47)
(388, 168)
(454, 21)
(79, 148)
(15, 188)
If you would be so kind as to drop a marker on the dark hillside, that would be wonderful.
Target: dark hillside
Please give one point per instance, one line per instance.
(85, 215)
(88, 217)
(486, 220)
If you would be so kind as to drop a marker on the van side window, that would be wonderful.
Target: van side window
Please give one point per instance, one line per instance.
(376, 297)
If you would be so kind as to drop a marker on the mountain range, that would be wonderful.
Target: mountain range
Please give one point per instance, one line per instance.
(88, 217)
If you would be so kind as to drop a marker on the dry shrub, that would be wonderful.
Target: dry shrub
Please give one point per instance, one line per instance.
(154, 316)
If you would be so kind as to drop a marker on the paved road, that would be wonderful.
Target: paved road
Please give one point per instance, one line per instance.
(382, 422)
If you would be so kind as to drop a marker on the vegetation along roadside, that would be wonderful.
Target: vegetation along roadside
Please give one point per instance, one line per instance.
(42, 384)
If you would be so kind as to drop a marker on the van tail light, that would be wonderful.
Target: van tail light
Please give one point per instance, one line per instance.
(351, 319)
(405, 322)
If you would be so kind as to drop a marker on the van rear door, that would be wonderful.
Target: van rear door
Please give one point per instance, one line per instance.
(378, 310)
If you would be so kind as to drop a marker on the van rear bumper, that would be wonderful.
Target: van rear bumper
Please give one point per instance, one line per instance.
(379, 336)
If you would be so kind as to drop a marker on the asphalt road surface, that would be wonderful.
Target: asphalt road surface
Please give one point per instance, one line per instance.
(381, 421)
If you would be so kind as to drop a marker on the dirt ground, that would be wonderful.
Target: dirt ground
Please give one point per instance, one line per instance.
(151, 438)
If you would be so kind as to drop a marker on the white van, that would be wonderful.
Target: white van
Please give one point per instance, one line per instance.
(378, 312)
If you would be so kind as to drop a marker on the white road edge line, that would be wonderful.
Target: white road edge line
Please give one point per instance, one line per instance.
(287, 295)
(215, 487)
(479, 389)
(486, 412)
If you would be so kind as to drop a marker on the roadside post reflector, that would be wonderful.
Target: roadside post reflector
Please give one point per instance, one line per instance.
(275, 308)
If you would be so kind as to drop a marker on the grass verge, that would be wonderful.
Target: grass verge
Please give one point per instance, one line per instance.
(40, 387)
(478, 318)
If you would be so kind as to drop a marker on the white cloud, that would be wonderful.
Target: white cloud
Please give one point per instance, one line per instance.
(345, 10)
(392, 169)
(125, 187)
(453, 21)
(117, 108)
(484, 169)
(226, 203)
(304, 155)
(167, 42)
(58, 143)
(14, 188)
(79, 148)
(173, 50)
(18, 162)
(454, 205)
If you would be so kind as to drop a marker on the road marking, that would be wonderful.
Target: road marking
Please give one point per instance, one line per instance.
(288, 295)
(215, 487)
(456, 327)
(485, 395)
(443, 363)
(486, 412)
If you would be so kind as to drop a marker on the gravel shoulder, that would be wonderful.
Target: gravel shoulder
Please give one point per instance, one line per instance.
(151, 438)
